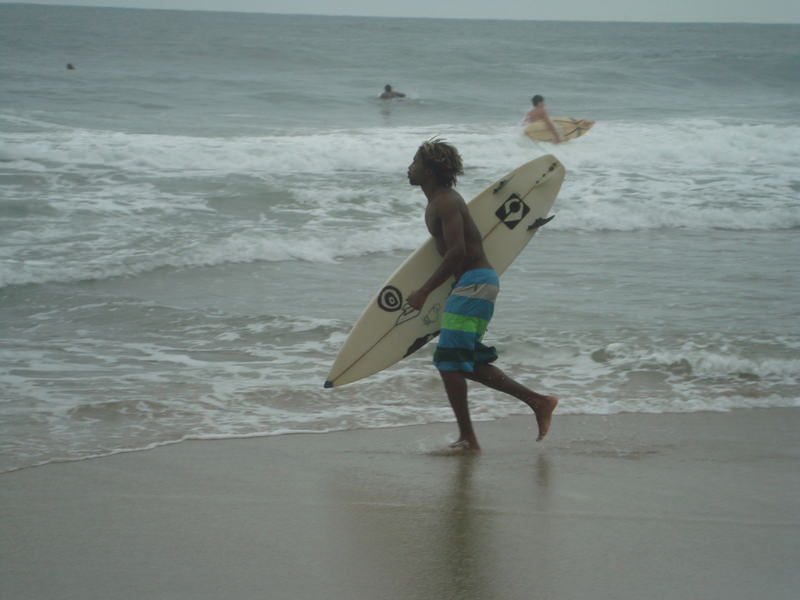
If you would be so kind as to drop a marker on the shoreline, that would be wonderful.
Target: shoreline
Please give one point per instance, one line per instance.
(678, 505)
(154, 446)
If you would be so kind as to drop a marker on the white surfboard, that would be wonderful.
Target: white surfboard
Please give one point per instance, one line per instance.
(568, 128)
(508, 213)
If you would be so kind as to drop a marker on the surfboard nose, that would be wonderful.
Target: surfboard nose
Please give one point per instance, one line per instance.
(328, 384)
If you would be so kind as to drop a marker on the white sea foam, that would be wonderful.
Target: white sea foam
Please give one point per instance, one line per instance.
(343, 193)
(634, 146)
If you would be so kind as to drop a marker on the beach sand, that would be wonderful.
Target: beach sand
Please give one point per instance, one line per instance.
(631, 506)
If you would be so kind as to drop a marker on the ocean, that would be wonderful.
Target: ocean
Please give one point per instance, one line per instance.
(193, 217)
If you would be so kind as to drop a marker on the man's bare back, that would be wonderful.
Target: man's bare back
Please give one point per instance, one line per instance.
(536, 114)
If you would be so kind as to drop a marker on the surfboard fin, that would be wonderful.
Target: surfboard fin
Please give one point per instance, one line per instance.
(539, 222)
(420, 342)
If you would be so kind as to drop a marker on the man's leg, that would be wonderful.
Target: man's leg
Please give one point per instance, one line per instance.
(455, 384)
(542, 406)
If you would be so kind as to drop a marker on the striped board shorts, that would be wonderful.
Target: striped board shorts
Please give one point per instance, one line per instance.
(467, 313)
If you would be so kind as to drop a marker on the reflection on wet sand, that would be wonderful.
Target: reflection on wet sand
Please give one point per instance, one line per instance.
(450, 531)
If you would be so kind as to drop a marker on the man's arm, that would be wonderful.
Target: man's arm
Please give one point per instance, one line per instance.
(552, 128)
(452, 222)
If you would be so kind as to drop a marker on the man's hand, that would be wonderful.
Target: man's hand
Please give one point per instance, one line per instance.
(416, 299)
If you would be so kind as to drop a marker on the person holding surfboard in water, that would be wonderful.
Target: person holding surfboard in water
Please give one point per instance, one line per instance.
(539, 113)
(460, 355)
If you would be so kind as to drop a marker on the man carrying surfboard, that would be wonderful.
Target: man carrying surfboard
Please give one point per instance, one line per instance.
(539, 113)
(460, 355)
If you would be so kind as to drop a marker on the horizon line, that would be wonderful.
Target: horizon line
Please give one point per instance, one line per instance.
(356, 16)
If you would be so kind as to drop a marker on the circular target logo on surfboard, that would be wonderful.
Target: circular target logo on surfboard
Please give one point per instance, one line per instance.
(390, 299)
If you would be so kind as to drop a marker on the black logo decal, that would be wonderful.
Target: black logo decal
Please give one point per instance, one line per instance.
(408, 313)
(390, 299)
(512, 211)
(434, 314)
(420, 342)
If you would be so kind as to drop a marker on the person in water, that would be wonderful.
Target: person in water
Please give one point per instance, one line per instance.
(460, 354)
(539, 113)
(389, 93)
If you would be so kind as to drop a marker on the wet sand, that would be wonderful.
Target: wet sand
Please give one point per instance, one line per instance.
(633, 506)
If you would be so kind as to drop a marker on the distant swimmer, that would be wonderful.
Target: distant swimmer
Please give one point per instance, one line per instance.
(70, 67)
(389, 93)
(538, 113)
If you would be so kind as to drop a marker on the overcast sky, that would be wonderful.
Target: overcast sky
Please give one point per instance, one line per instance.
(750, 11)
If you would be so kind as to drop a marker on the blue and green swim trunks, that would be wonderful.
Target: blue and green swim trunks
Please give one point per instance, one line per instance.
(467, 313)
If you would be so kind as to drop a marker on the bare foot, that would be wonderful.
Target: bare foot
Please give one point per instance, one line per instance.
(544, 413)
(465, 446)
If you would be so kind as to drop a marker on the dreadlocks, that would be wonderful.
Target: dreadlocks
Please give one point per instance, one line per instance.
(443, 159)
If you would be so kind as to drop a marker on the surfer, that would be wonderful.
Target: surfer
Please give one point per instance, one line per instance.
(460, 355)
(539, 113)
(389, 93)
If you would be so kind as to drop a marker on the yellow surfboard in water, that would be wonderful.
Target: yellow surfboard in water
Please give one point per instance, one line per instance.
(568, 127)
